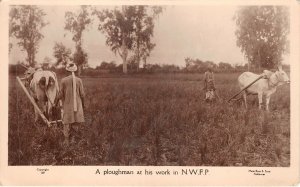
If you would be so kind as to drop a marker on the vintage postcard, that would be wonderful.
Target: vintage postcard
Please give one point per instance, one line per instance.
(149, 92)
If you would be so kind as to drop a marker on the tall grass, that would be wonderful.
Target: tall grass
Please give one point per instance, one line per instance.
(157, 120)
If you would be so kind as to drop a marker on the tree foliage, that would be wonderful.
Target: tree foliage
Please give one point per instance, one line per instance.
(224, 66)
(25, 24)
(128, 29)
(107, 65)
(76, 23)
(197, 65)
(262, 34)
(61, 53)
(144, 27)
(80, 58)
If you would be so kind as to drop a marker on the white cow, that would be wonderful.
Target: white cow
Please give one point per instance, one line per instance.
(43, 86)
(263, 87)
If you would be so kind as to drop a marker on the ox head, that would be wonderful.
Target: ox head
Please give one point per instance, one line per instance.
(282, 77)
(29, 72)
(47, 85)
(44, 86)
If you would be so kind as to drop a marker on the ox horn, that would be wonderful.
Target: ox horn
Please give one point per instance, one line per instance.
(279, 67)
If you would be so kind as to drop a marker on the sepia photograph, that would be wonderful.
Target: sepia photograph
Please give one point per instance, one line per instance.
(149, 85)
(149, 93)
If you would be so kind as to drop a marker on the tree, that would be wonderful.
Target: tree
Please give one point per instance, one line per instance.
(169, 68)
(188, 62)
(224, 66)
(132, 63)
(107, 65)
(25, 24)
(262, 34)
(76, 23)
(197, 65)
(80, 58)
(47, 62)
(117, 25)
(143, 29)
(61, 53)
(128, 29)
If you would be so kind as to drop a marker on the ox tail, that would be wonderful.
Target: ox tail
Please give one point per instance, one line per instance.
(55, 81)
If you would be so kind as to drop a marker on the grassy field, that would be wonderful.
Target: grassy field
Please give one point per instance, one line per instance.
(156, 120)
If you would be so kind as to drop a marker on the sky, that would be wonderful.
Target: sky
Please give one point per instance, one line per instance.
(203, 32)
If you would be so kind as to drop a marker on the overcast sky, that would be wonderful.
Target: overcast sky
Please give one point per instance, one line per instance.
(203, 32)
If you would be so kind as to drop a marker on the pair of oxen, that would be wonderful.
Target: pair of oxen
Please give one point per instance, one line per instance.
(43, 86)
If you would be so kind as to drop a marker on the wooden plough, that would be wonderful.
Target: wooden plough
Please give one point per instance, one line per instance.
(49, 123)
(245, 88)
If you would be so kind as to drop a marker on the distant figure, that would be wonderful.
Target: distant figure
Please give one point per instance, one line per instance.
(72, 96)
(209, 85)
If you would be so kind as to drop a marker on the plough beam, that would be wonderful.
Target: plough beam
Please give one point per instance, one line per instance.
(245, 88)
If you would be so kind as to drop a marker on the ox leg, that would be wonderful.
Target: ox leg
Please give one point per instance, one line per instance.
(260, 100)
(267, 102)
(66, 132)
(49, 111)
(245, 98)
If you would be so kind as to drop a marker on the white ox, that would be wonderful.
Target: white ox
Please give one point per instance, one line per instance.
(43, 86)
(263, 87)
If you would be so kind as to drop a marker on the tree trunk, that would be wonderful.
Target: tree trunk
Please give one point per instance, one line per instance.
(138, 56)
(249, 65)
(259, 60)
(124, 56)
(31, 44)
(124, 64)
(80, 69)
(33, 57)
(30, 58)
(145, 63)
(138, 64)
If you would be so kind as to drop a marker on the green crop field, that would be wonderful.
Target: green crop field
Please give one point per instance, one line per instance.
(159, 119)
